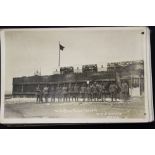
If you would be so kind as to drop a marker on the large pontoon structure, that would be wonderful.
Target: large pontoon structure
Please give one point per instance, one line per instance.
(130, 71)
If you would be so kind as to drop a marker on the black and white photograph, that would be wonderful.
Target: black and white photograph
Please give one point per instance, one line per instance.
(76, 75)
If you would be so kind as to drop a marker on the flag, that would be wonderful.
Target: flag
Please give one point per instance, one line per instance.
(61, 47)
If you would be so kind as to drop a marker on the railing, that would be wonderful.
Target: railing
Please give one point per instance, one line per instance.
(69, 78)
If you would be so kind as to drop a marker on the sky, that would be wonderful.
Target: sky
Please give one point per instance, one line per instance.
(29, 50)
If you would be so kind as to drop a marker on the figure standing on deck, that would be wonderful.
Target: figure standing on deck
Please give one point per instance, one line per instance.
(113, 91)
(52, 93)
(88, 90)
(69, 92)
(125, 90)
(83, 92)
(64, 93)
(38, 93)
(41, 96)
(45, 93)
(76, 92)
(103, 93)
(59, 93)
(98, 90)
(94, 91)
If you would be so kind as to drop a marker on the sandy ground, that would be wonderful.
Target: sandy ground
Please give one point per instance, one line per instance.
(28, 108)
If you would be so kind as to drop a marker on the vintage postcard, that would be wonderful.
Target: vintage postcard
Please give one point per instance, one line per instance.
(76, 75)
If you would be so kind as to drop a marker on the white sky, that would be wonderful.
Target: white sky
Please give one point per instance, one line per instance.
(27, 51)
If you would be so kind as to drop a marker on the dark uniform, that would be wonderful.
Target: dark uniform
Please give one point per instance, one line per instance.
(88, 92)
(38, 92)
(98, 91)
(64, 93)
(91, 92)
(76, 92)
(94, 92)
(72, 92)
(125, 90)
(83, 92)
(103, 93)
(58, 93)
(52, 93)
(113, 91)
(41, 96)
(45, 93)
(69, 92)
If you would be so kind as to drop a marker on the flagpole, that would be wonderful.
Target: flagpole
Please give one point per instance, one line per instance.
(59, 55)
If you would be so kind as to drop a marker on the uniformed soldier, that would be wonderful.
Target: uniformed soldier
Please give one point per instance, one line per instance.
(125, 90)
(60, 94)
(94, 91)
(45, 93)
(98, 91)
(69, 92)
(91, 92)
(72, 92)
(88, 92)
(38, 92)
(57, 93)
(113, 91)
(83, 92)
(118, 91)
(76, 92)
(41, 95)
(103, 93)
(52, 93)
(64, 93)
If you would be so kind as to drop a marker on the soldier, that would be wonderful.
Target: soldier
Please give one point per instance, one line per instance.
(57, 93)
(98, 91)
(45, 93)
(69, 91)
(52, 92)
(76, 92)
(91, 92)
(118, 91)
(113, 91)
(94, 91)
(88, 90)
(103, 94)
(83, 92)
(41, 95)
(125, 90)
(72, 92)
(64, 93)
(38, 92)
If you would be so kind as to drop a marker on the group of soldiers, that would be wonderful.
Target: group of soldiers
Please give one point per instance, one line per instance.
(85, 92)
